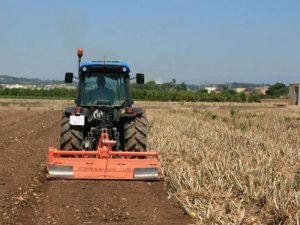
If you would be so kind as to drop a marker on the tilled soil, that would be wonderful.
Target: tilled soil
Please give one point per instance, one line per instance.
(26, 197)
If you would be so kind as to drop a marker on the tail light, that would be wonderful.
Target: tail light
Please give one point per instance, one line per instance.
(77, 110)
(129, 110)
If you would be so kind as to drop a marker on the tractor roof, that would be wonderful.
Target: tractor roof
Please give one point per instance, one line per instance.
(104, 63)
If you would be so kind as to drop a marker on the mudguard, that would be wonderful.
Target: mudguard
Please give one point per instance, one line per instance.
(136, 112)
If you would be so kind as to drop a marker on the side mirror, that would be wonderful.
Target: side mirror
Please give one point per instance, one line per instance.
(140, 78)
(69, 78)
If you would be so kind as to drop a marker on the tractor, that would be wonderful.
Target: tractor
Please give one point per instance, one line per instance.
(104, 136)
(103, 101)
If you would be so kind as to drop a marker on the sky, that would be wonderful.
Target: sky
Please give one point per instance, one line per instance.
(193, 41)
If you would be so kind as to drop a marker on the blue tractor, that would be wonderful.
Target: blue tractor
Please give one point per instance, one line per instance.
(104, 101)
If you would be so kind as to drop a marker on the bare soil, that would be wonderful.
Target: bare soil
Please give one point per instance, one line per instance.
(26, 197)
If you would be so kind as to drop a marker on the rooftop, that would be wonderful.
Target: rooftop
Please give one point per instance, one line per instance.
(105, 63)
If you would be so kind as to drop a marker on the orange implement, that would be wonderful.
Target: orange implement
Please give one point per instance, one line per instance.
(103, 163)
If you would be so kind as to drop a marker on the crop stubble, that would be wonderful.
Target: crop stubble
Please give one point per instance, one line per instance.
(231, 165)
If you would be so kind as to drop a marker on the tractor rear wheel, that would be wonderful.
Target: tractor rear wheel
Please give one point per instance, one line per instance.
(135, 134)
(71, 136)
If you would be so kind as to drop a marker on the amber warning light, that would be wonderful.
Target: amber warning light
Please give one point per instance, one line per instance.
(80, 52)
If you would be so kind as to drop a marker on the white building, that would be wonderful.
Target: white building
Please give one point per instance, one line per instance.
(210, 89)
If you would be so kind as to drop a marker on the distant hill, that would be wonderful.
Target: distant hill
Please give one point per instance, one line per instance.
(5, 79)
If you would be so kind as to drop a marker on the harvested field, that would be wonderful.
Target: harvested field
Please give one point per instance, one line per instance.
(224, 163)
(231, 165)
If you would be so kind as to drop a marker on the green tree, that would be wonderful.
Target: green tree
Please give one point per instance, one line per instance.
(203, 91)
(181, 87)
(277, 90)
(254, 97)
(150, 85)
(242, 97)
(173, 82)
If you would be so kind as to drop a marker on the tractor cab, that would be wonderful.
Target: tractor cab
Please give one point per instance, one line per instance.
(103, 83)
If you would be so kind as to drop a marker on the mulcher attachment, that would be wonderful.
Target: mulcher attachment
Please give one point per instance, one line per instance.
(103, 163)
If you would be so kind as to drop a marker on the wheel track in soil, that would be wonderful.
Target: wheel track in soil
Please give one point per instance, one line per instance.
(28, 198)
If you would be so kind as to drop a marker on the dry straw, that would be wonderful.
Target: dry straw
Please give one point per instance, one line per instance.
(230, 165)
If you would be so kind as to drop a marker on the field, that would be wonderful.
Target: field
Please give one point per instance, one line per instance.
(231, 165)
(222, 163)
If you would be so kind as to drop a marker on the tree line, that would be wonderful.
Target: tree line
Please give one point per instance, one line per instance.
(151, 91)
(43, 93)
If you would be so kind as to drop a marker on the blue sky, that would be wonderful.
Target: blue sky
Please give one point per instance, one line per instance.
(199, 41)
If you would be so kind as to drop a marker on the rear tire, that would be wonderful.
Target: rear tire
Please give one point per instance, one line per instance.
(71, 136)
(135, 134)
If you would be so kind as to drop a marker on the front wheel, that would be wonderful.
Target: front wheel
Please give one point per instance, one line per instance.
(135, 134)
